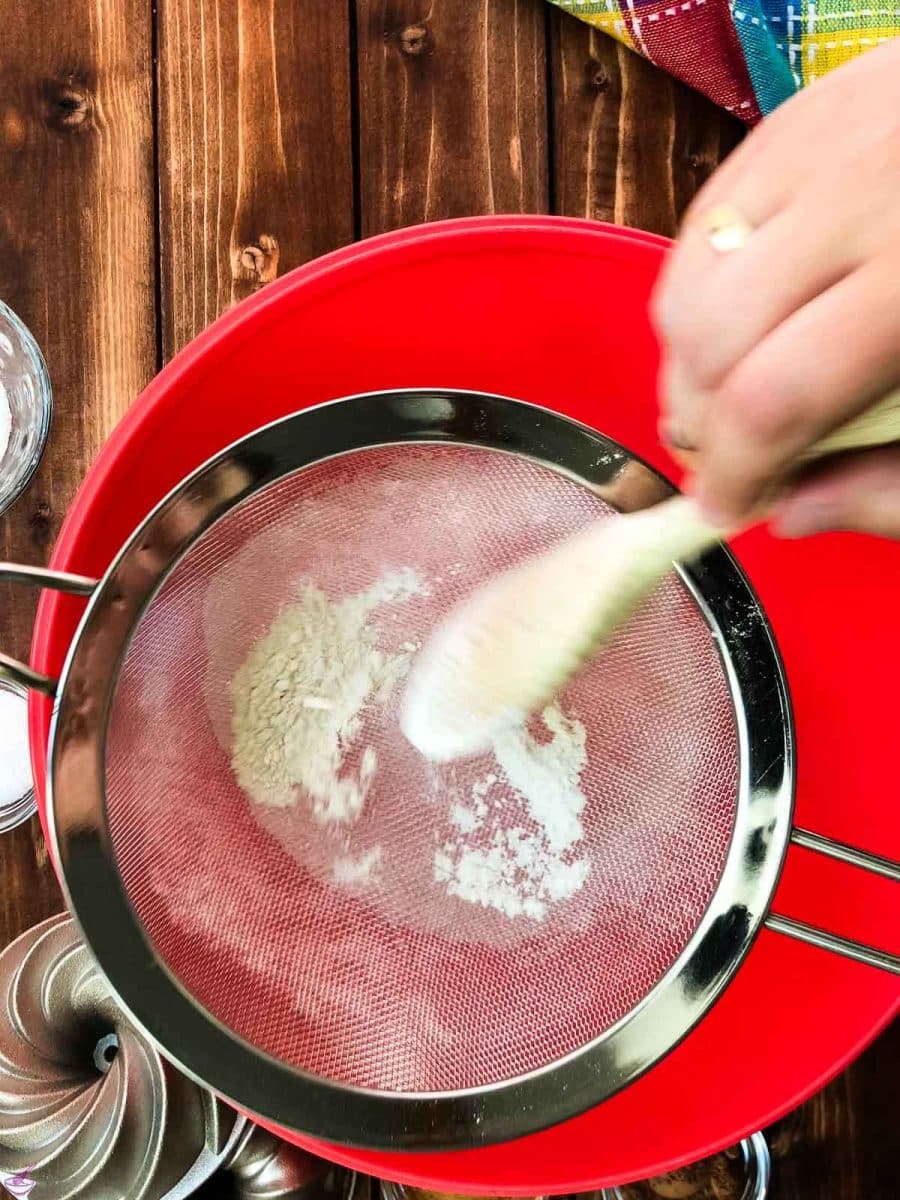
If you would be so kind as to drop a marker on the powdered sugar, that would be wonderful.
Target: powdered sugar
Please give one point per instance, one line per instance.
(15, 764)
(547, 774)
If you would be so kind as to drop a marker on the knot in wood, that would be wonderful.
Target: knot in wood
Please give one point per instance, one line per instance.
(700, 162)
(70, 105)
(598, 76)
(12, 128)
(415, 40)
(258, 262)
(39, 524)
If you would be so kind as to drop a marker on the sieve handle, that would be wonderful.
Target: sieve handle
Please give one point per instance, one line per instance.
(813, 936)
(887, 868)
(874, 863)
(40, 577)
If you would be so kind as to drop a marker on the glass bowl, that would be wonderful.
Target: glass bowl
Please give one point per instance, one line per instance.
(25, 406)
(17, 801)
(742, 1173)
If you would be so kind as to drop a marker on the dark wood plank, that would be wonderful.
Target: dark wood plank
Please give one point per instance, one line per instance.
(77, 262)
(842, 1144)
(631, 145)
(255, 148)
(452, 109)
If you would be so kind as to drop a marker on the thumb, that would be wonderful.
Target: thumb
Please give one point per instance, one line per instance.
(858, 491)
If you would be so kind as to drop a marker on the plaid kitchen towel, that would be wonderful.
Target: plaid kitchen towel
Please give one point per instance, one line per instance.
(747, 55)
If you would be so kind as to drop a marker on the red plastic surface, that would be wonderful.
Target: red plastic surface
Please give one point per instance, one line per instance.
(554, 311)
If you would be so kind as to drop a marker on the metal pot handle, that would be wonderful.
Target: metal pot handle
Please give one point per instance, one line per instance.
(40, 577)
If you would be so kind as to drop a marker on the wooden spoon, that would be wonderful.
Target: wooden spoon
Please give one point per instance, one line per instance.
(507, 649)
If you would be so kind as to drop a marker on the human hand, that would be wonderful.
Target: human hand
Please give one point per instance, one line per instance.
(771, 346)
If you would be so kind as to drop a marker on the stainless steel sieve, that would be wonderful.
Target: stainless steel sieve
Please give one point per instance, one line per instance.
(394, 1014)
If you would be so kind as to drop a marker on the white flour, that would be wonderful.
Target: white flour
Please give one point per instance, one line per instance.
(516, 870)
(350, 870)
(297, 700)
(547, 775)
(509, 837)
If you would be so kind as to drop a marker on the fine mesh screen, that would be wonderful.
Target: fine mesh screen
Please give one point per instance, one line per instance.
(415, 929)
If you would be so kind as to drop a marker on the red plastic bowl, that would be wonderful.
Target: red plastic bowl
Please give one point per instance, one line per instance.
(554, 311)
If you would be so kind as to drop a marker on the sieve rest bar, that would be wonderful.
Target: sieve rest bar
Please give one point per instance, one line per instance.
(41, 577)
(56, 581)
(856, 951)
(874, 863)
(26, 676)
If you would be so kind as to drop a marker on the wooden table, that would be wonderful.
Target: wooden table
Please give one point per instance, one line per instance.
(162, 159)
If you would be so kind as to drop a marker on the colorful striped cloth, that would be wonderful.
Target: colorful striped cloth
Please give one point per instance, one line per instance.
(747, 55)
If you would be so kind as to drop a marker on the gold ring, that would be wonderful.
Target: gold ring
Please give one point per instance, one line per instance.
(725, 228)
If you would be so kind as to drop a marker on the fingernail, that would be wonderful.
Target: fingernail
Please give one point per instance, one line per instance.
(805, 516)
(671, 435)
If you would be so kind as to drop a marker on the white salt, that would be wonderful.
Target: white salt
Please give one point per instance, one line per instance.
(5, 421)
(15, 765)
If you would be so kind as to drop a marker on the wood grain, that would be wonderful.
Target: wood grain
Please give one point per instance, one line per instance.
(460, 108)
(631, 145)
(77, 262)
(842, 1144)
(452, 109)
(255, 149)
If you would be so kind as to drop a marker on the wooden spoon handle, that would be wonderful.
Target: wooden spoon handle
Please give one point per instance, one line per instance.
(877, 426)
(678, 525)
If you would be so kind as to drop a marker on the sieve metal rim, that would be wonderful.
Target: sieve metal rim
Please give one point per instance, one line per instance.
(192, 1037)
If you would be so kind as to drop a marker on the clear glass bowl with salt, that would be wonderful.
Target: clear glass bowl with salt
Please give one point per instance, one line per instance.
(25, 406)
(17, 802)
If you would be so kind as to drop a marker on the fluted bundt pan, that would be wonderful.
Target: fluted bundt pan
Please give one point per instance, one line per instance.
(90, 1109)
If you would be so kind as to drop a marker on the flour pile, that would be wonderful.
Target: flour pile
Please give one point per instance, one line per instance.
(514, 868)
(506, 829)
(298, 699)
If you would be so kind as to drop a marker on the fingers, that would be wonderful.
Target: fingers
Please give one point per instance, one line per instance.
(816, 370)
(683, 406)
(860, 492)
(773, 346)
(756, 198)
(799, 253)
(757, 181)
